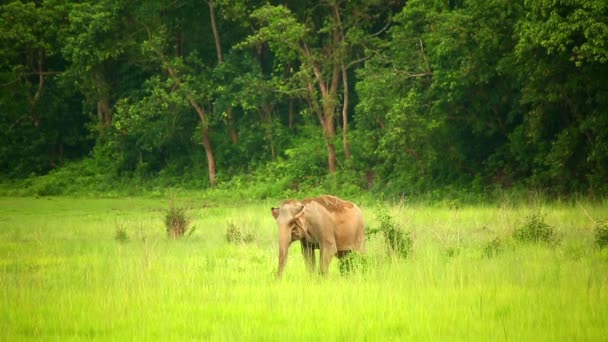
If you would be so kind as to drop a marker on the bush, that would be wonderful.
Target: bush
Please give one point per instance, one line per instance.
(493, 248)
(235, 234)
(398, 241)
(352, 261)
(176, 221)
(535, 230)
(601, 234)
(121, 234)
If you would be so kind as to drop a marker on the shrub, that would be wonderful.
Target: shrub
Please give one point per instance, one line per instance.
(176, 221)
(493, 248)
(601, 234)
(235, 234)
(398, 241)
(352, 261)
(121, 234)
(535, 230)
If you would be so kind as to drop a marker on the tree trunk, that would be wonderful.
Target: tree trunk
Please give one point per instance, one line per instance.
(205, 140)
(103, 111)
(291, 113)
(102, 89)
(209, 153)
(39, 89)
(266, 118)
(204, 124)
(345, 114)
(326, 105)
(220, 59)
(330, 134)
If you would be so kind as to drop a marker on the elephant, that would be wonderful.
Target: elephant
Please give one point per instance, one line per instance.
(328, 223)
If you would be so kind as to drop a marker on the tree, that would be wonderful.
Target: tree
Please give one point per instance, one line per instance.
(318, 42)
(220, 60)
(563, 64)
(99, 34)
(40, 123)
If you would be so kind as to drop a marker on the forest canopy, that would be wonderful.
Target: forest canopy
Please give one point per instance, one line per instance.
(391, 96)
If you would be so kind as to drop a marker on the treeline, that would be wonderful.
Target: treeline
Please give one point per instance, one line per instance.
(394, 96)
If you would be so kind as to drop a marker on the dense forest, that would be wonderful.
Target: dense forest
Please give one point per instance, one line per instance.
(391, 96)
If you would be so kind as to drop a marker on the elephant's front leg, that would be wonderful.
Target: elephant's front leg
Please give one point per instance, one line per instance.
(308, 251)
(327, 252)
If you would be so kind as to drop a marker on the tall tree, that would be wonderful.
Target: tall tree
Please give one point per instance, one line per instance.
(316, 40)
(220, 59)
(40, 121)
(193, 88)
(562, 56)
(100, 33)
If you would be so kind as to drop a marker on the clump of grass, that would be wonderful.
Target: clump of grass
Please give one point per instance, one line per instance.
(399, 242)
(236, 234)
(601, 233)
(452, 252)
(176, 221)
(121, 233)
(493, 248)
(536, 230)
(233, 233)
(353, 261)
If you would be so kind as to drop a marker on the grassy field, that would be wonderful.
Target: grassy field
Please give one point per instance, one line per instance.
(64, 276)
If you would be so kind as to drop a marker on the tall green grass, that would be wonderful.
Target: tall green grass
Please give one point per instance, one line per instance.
(64, 276)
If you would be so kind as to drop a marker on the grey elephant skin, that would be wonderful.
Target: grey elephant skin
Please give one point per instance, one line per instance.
(328, 223)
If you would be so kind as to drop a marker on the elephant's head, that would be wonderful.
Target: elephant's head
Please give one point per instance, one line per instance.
(291, 228)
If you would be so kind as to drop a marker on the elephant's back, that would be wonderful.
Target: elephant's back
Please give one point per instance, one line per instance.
(333, 204)
(347, 221)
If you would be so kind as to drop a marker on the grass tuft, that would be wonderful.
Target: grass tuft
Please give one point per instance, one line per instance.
(601, 233)
(236, 234)
(176, 221)
(121, 233)
(536, 230)
(398, 242)
(352, 262)
(493, 248)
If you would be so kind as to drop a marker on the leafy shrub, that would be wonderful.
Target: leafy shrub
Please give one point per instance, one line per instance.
(493, 248)
(452, 251)
(398, 241)
(352, 261)
(601, 234)
(176, 221)
(235, 234)
(121, 234)
(535, 230)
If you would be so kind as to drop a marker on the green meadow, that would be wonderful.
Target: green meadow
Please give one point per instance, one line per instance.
(104, 269)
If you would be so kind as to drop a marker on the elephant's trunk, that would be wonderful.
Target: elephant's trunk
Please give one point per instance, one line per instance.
(284, 242)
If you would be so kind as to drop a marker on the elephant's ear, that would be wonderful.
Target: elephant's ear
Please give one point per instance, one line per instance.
(299, 213)
(275, 212)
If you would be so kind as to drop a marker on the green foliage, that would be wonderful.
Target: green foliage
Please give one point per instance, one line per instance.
(601, 233)
(85, 281)
(352, 262)
(235, 233)
(177, 221)
(535, 230)
(493, 248)
(121, 234)
(398, 242)
(447, 99)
